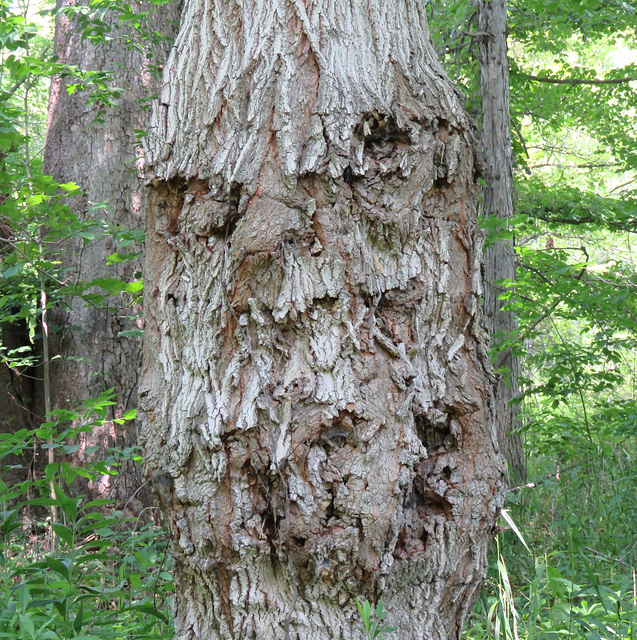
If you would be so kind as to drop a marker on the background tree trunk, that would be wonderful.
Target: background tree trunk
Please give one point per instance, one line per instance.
(316, 386)
(97, 148)
(497, 200)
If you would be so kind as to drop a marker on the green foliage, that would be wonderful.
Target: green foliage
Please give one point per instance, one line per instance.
(107, 577)
(581, 583)
(97, 594)
(372, 618)
(105, 20)
(573, 107)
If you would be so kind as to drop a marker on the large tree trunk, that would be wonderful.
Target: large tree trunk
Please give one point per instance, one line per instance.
(497, 200)
(316, 386)
(103, 157)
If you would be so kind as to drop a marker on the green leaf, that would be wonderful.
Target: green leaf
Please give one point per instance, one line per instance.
(62, 567)
(79, 619)
(147, 608)
(23, 596)
(26, 624)
(64, 533)
(134, 287)
(131, 333)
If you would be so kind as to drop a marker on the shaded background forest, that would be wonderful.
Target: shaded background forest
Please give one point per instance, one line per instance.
(82, 551)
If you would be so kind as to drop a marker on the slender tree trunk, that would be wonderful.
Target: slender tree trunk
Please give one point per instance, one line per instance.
(497, 200)
(96, 148)
(316, 386)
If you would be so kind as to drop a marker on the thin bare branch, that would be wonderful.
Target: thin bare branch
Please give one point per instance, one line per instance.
(580, 81)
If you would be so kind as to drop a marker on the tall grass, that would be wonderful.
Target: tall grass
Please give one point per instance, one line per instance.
(577, 579)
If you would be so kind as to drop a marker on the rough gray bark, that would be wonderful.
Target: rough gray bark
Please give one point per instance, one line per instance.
(104, 159)
(316, 386)
(497, 200)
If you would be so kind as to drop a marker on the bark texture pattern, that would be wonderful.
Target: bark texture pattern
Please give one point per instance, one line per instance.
(497, 200)
(315, 386)
(101, 154)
